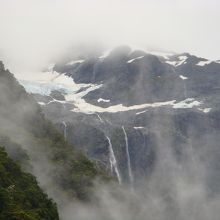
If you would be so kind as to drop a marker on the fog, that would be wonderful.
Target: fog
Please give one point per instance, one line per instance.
(33, 32)
(176, 189)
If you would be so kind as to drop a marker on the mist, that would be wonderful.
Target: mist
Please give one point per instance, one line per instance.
(34, 33)
(176, 189)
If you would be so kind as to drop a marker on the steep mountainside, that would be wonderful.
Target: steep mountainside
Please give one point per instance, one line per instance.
(64, 173)
(20, 196)
(124, 109)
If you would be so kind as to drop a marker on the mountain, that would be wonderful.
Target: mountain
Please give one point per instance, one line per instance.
(131, 110)
(32, 141)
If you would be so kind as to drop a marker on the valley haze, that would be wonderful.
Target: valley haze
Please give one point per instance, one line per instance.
(114, 107)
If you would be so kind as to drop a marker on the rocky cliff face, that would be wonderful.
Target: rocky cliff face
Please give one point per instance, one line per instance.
(144, 104)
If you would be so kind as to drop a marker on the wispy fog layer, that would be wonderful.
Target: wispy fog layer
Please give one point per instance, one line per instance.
(176, 190)
(35, 31)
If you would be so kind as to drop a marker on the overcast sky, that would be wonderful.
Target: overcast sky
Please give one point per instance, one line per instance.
(33, 31)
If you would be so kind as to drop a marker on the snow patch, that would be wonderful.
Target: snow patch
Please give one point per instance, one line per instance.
(41, 103)
(183, 77)
(132, 60)
(187, 103)
(77, 97)
(82, 106)
(103, 100)
(138, 128)
(205, 110)
(52, 81)
(173, 63)
(138, 113)
(203, 63)
(207, 62)
(181, 60)
(55, 101)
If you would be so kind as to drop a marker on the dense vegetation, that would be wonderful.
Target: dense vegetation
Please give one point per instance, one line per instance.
(20, 196)
(15, 152)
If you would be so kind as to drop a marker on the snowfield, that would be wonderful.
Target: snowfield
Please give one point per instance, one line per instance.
(75, 93)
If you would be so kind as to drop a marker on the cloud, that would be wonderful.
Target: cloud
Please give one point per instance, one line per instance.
(35, 31)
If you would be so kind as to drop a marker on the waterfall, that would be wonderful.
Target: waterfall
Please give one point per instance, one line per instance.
(185, 89)
(192, 154)
(113, 161)
(191, 151)
(184, 85)
(131, 178)
(99, 117)
(65, 129)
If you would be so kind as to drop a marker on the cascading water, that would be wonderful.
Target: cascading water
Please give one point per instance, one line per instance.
(113, 161)
(191, 151)
(131, 178)
(65, 130)
(185, 89)
(99, 117)
(192, 155)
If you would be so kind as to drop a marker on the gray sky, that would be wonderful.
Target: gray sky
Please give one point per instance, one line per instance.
(34, 31)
